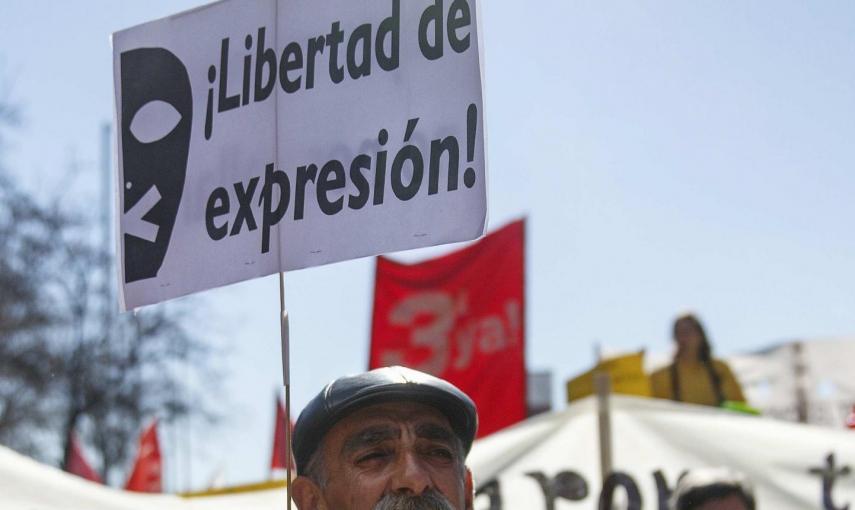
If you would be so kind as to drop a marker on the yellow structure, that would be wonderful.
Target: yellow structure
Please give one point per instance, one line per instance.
(238, 489)
(626, 374)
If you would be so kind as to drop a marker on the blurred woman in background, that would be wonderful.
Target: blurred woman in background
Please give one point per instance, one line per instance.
(694, 376)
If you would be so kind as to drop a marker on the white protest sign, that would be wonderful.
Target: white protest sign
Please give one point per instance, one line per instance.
(263, 135)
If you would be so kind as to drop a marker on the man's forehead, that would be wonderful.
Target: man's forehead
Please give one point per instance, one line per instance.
(388, 413)
(397, 411)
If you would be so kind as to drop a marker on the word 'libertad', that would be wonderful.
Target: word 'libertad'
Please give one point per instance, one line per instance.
(295, 67)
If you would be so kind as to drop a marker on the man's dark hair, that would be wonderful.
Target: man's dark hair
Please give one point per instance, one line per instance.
(700, 495)
(703, 485)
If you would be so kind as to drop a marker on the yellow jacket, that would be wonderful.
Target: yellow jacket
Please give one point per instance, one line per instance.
(696, 385)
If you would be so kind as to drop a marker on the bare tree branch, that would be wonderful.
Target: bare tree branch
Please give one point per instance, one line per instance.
(67, 361)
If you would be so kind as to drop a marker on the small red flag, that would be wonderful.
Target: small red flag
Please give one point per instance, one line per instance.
(281, 451)
(850, 421)
(460, 317)
(77, 464)
(146, 474)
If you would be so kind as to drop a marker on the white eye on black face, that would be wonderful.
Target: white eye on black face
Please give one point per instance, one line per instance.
(154, 121)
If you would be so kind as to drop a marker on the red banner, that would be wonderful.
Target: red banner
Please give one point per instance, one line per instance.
(77, 463)
(146, 475)
(281, 451)
(460, 317)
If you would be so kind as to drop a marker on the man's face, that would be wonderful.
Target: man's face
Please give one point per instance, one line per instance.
(382, 456)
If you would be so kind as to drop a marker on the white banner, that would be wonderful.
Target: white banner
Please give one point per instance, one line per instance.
(552, 461)
(264, 135)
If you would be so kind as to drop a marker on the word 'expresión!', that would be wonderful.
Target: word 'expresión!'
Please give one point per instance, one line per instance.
(406, 174)
(295, 67)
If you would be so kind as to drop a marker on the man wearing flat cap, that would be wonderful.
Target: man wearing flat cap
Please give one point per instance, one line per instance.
(389, 439)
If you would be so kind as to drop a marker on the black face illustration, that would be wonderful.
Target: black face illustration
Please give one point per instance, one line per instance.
(153, 79)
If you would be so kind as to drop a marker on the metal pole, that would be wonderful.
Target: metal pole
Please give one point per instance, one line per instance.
(799, 373)
(602, 383)
(106, 208)
(286, 378)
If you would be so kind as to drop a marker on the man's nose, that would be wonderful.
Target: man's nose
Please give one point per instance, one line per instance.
(411, 475)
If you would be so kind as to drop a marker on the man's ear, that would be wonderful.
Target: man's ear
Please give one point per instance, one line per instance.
(469, 489)
(305, 493)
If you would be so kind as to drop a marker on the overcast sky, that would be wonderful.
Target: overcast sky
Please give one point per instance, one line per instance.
(668, 155)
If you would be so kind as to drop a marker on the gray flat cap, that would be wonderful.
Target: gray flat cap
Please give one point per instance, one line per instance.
(390, 384)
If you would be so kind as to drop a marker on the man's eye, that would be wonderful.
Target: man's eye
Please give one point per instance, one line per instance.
(442, 453)
(371, 456)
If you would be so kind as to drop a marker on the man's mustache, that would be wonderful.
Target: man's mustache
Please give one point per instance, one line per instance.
(428, 500)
